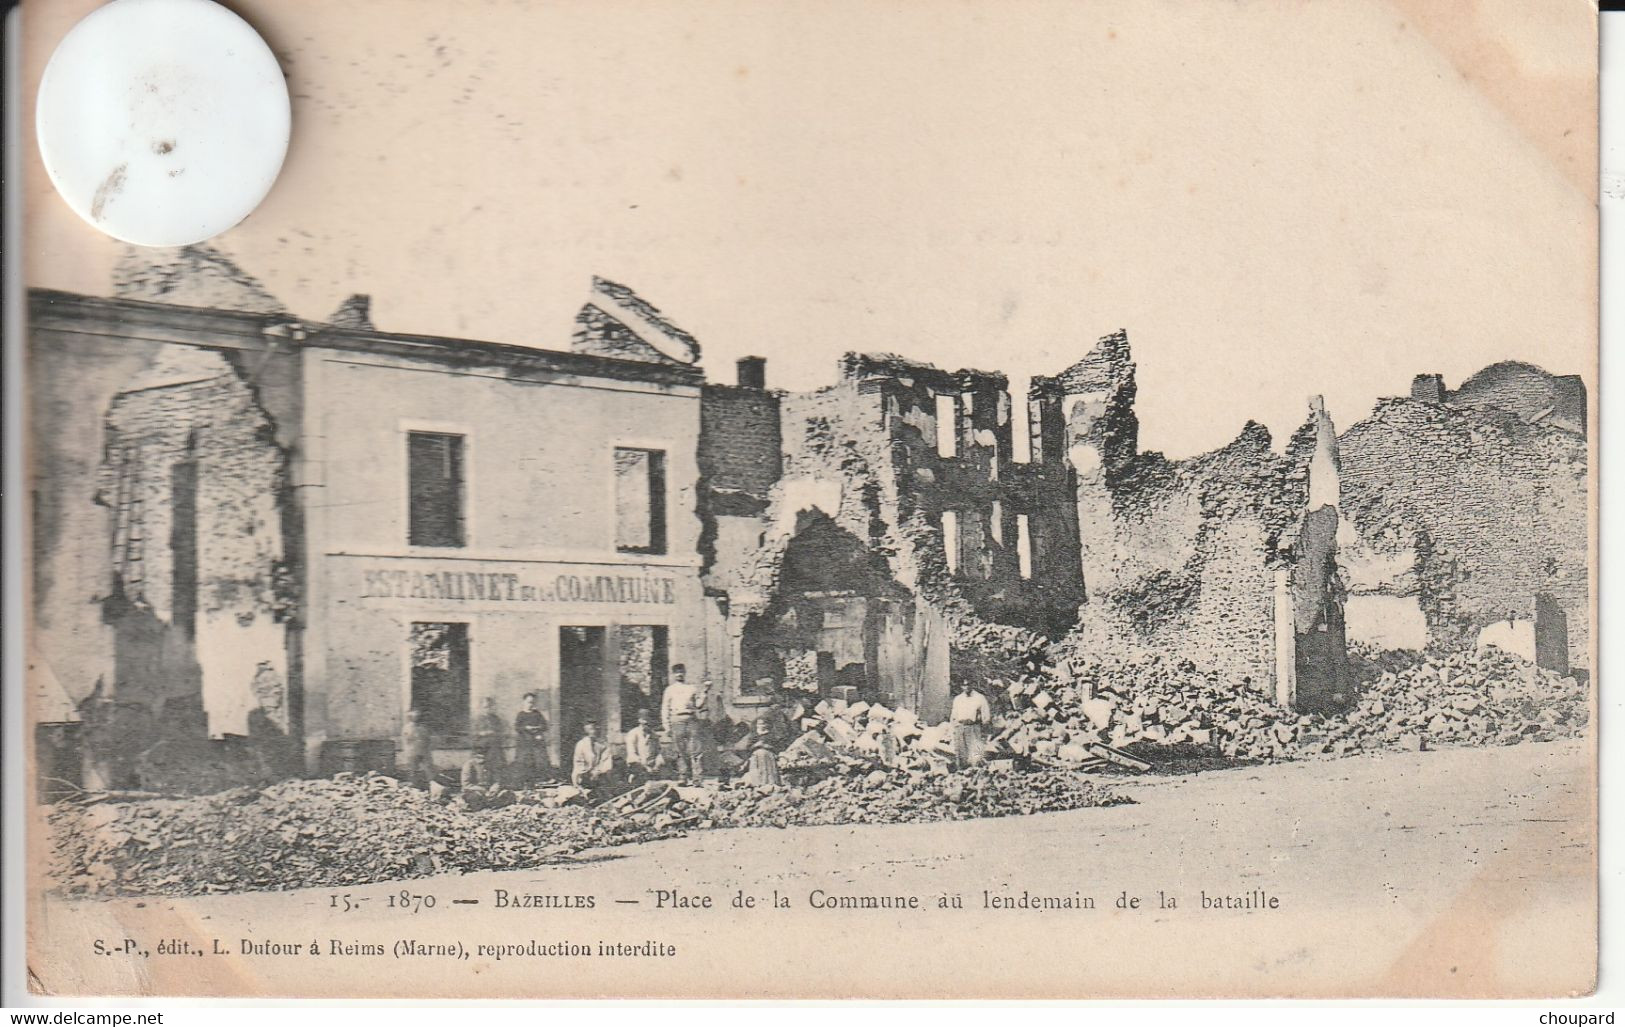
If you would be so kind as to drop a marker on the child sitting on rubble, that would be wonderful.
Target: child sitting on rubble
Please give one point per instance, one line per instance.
(763, 768)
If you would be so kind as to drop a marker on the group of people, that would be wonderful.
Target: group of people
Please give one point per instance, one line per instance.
(488, 778)
(681, 751)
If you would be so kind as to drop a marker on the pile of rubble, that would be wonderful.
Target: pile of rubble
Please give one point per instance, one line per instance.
(1487, 697)
(353, 830)
(891, 796)
(345, 830)
(1117, 714)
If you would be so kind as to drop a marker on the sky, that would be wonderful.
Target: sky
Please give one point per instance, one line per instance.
(1273, 199)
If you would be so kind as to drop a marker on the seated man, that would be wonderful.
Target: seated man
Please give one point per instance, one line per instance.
(643, 755)
(482, 788)
(593, 769)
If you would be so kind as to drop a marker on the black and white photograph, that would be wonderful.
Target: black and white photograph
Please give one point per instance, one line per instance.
(928, 500)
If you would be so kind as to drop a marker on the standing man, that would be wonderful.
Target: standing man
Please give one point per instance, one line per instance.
(705, 730)
(593, 769)
(489, 735)
(416, 750)
(970, 715)
(678, 707)
(642, 750)
(530, 762)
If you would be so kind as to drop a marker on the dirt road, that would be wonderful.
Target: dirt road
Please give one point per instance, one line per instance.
(1454, 873)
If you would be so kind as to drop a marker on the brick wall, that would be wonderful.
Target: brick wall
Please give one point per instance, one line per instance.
(740, 447)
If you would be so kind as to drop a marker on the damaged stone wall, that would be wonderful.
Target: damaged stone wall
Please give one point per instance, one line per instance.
(130, 423)
(1529, 392)
(979, 482)
(739, 462)
(862, 463)
(1183, 557)
(740, 448)
(191, 276)
(1472, 511)
(196, 484)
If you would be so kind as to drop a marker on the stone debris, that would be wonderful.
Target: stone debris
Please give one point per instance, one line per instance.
(1157, 705)
(851, 763)
(364, 829)
(1083, 715)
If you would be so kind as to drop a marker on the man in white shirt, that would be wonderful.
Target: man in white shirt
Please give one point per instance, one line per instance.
(593, 768)
(642, 750)
(678, 708)
(970, 716)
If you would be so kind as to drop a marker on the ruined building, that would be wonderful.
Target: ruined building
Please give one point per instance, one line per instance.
(249, 525)
(872, 534)
(257, 526)
(1227, 559)
(1470, 509)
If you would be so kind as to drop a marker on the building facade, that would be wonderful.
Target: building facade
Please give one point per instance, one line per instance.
(483, 522)
(247, 524)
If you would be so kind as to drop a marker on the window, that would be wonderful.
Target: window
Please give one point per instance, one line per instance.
(440, 676)
(435, 467)
(1024, 546)
(950, 539)
(1019, 415)
(1035, 431)
(640, 500)
(995, 523)
(947, 425)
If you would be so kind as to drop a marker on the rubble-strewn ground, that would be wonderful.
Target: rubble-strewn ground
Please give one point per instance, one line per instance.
(359, 830)
(1170, 712)
(850, 765)
(1456, 873)
(1405, 701)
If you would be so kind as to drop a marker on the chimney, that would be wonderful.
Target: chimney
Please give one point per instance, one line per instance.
(753, 372)
(1429, 388)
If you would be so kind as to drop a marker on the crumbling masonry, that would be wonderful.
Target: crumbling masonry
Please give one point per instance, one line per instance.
(890, 541)
(867, 540)
(1227, 559)
(1470, 510)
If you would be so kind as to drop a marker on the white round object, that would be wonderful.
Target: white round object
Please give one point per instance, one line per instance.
(163, 122)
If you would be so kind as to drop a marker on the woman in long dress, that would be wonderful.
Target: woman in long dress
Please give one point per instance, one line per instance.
(763, 768)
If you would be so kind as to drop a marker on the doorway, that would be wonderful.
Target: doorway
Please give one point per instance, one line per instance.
(581, 684)
(644, 654)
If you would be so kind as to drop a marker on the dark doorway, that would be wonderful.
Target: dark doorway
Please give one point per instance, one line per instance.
(440, 678)
(645, 655)
(581, 684)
